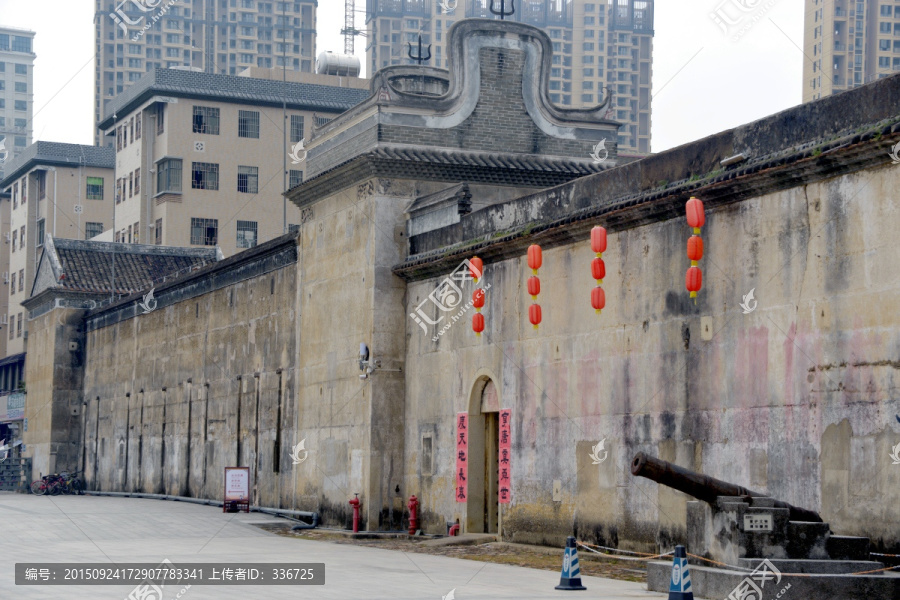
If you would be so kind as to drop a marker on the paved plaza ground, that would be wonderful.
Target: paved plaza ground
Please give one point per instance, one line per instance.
(108, 530)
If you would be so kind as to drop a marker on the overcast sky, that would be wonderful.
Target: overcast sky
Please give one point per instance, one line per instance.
(703, 82)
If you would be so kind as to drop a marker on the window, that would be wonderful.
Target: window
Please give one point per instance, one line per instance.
(12, 330)
(19, 141)
(160, 118)
(21, 87)
(92, 230)
(137, 182)
(206, 120)
(136, 229)
(94, 189)
(41, 177)
(248, 124)
(15, 238)
(21, 69)
(246, 234)
(21, 105)
(296, 178)
(296, 128)
(157, 232)
(40, 236)
(21, 123)
(137, 126)
(248, 180)
(204, 176)
(12, 284)
(19, 326)
(204, 232)
(168, 176)
(130, 184)
(22, 237)
(21, 279)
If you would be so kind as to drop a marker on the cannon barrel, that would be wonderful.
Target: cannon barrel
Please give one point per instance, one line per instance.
(703, 487)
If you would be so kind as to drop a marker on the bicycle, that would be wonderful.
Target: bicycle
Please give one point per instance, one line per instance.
(73, 484)
(41, 487)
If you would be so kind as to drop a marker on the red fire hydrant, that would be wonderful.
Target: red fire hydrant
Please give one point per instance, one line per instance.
(413, 519)
(454, 529)
(355, 504)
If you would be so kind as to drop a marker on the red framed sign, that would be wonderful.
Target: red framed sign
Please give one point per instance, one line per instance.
(237, 488)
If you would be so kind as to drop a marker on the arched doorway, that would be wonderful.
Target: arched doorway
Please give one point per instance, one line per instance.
(482, 505)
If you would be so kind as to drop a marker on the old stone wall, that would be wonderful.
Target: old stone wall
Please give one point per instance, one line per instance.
(208, 381)
(795, 398)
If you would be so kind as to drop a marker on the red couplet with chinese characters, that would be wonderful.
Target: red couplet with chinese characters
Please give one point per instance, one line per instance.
(505, 459)
(462, 455)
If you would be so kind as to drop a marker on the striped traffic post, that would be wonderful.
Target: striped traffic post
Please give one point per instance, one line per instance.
(571, 572)
(680, 586)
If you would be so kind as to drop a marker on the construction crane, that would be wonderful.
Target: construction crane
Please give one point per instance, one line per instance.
(350, 31)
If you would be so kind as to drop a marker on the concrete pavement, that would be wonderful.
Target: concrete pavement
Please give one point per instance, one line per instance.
(103, 529)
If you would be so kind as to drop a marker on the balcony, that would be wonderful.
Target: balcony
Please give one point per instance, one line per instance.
(840, 12)
(840, 47)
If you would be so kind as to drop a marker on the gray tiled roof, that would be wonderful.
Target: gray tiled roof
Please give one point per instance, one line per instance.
(87, 266)
(231, 88)
(57, 154)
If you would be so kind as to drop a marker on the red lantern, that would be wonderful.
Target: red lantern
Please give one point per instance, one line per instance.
(476, 267)
(598, 270)
(598, 299)
(534, 287)
(696, 218)
(694, 281)
(478, 299)
(535, 258)
(598, 240)
(695, 249)
(478, 323)
(534, 314)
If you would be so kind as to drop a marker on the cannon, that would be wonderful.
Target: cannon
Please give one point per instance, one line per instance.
(703, 487)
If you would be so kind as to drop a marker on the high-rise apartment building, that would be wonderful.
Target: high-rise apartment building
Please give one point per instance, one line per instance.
(62, 189)
(215, 36)
(202, 159)
(596, 44)
(16, 92)
(849, 43)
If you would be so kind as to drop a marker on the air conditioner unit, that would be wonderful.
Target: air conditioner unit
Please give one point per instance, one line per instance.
(5, 276)
(25, 335)
(6, 235)
(4, 319)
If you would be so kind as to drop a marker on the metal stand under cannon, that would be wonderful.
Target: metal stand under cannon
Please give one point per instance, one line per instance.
(775, 545)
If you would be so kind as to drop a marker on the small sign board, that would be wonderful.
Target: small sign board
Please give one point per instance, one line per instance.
(237, 488)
